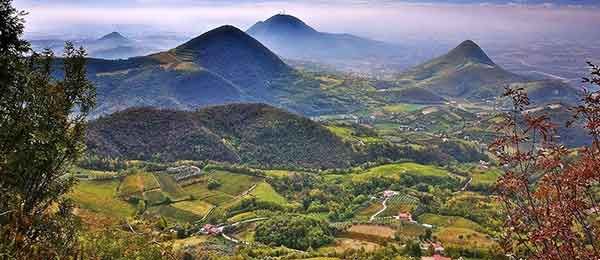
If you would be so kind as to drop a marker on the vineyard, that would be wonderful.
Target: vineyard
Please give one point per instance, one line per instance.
(399, 203)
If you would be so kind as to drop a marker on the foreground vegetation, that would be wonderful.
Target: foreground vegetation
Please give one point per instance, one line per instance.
(250, 181)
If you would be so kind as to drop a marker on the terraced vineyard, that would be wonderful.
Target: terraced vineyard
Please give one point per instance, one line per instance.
(401, 203)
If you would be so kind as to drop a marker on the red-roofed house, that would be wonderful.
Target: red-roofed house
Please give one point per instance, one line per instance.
(435, 257)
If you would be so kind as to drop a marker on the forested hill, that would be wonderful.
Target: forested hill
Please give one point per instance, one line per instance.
(241, 133)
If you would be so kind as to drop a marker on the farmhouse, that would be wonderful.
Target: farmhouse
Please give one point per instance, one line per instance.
(435, 257)
(389, 193)
(406, 216)
(209, 229)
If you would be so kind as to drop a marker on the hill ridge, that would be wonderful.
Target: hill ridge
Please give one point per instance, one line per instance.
(254, 133)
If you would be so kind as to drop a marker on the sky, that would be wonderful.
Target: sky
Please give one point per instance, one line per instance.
(387, 20)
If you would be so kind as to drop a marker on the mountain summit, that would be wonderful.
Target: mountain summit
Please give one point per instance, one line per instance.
(292, 38)
(469, 51)
(234, 55)
(114, 37)
(281, 24)
(468, 72)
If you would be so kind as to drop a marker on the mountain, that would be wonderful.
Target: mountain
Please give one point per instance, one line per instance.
(468, 72)
(291, 38)
(237, 133)
(114, 38)
(222, 66)
(232, 54)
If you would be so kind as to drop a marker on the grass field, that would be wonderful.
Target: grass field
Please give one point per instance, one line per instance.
(242, 216)
(373, 230)
(93, 174)
(278, 173)
(169, 186)
(174, 214)
(367, 212)
(189, 242)
(154, 197)
(197, 207)
(347, 134)
(399, 108)
(398, 169)
(485, 179)
(265, 192)
(410, 231)
(233, 183)
(137, 183)
(449, 221)
(464, 238)
(342, 244)
(101, 197)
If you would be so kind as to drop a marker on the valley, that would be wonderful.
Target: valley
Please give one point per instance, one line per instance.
(359, 166)
(285, 141)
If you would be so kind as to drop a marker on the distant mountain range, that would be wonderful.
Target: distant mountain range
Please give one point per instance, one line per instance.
(467, 72)
(238, 133)
(291, 38)
(224, 65)
(111, 46)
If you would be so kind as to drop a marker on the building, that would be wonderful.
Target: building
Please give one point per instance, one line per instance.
(435, 257)
(437, 248)
(406, 216)
(209, 229)
(427, 226)
(389, 193)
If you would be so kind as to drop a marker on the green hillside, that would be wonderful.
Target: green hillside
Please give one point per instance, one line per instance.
(467, 72)
(239, 133)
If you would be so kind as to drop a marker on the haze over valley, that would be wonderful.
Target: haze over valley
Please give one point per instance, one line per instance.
(317, 130)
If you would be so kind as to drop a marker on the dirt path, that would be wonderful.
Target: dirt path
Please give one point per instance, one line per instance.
(467, 184)
(382, 210)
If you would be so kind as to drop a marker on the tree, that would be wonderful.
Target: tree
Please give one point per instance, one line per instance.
(42, 126)
(294, 231)
(213, 184)
(548, 196)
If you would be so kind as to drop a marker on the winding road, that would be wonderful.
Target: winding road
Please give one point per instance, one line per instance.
(382, 210)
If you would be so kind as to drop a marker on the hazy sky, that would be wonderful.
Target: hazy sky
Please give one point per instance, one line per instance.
(388, 20)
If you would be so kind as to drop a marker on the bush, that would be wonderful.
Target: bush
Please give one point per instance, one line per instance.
(294, 231)
(213, 184)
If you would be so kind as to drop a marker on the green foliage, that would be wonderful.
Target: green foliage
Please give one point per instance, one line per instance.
(254, 134)
(41, 135)
(116, 244)
(213, 184)
(101, 197)
(293, 231)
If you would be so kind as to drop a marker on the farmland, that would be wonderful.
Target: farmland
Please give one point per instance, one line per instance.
(101, 197)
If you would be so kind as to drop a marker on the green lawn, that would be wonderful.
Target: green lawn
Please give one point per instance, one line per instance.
(232, 183)
(101, 197)
(265, 192)
(404, 107)
(449, 221)
(398, 169)
(485, 179)
(347, 134)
